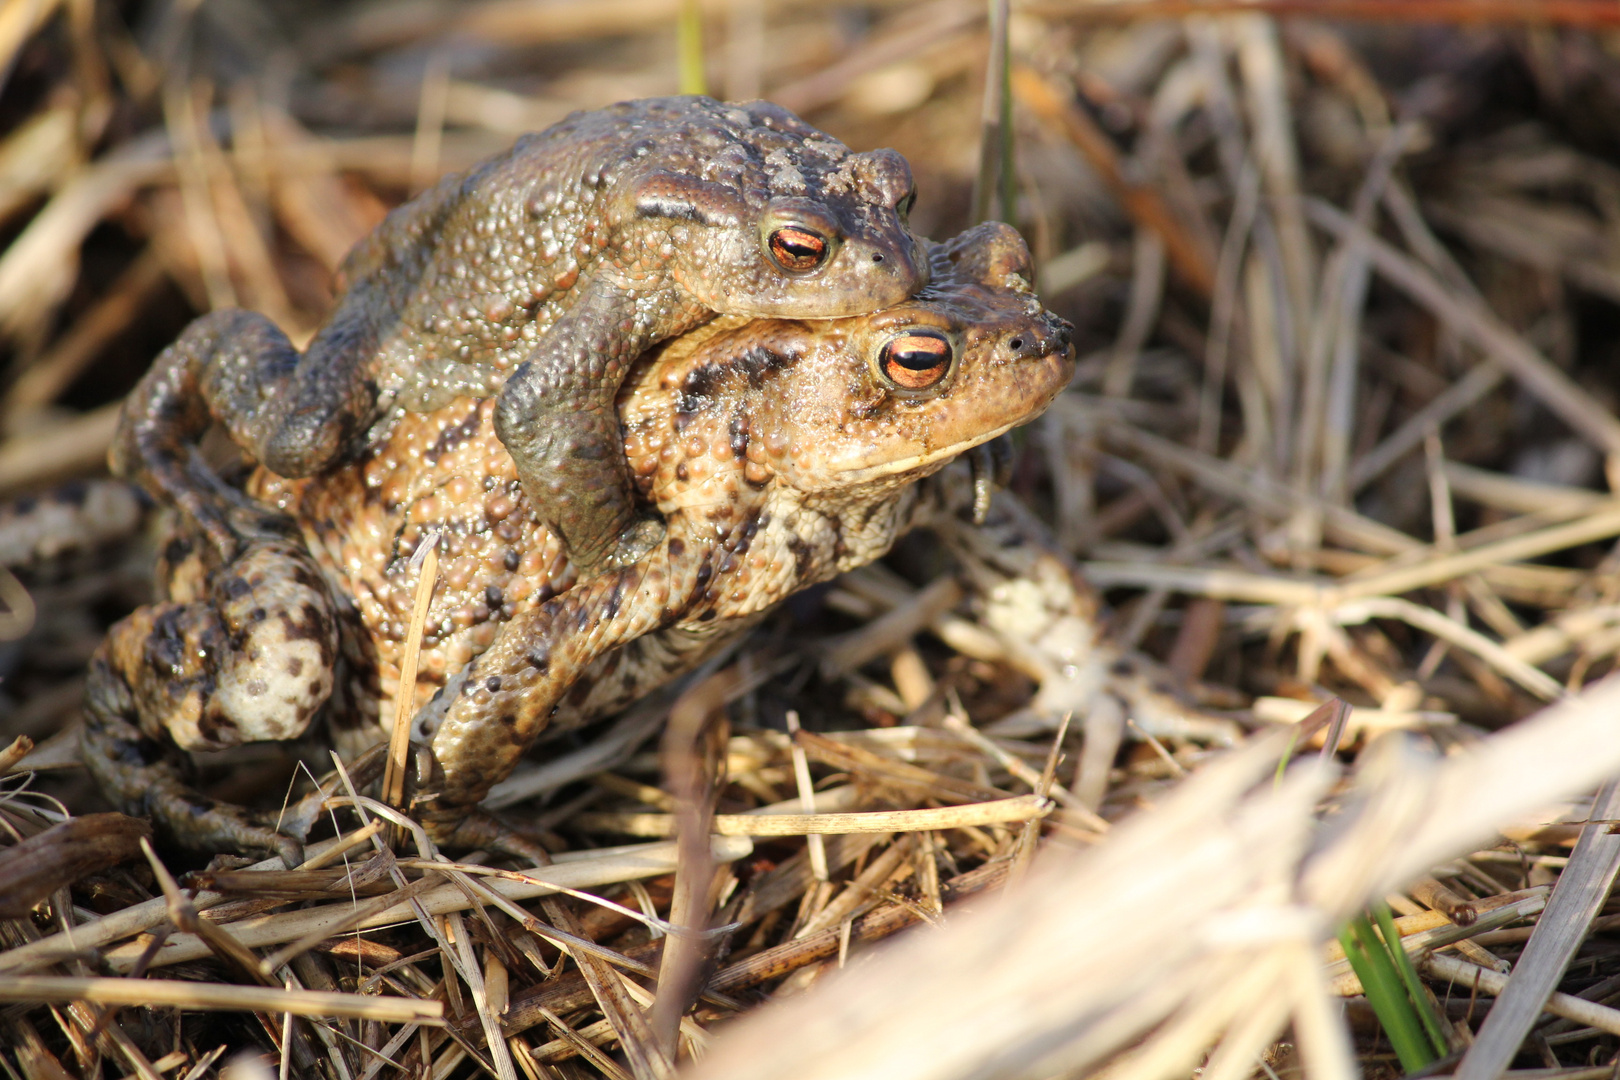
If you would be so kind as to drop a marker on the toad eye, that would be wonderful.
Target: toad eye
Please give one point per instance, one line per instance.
(916, 360)
(903, 207)
(795, 247)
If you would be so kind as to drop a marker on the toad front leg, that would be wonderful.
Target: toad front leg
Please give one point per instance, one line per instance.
(556, 418)
(248, 657)
(484, 719)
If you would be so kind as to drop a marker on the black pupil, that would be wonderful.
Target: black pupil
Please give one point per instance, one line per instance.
(799, 245)
(919, 357)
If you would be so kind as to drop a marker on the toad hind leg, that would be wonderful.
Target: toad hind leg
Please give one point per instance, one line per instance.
(557, 419)
(293, 413)
(136, 773)
(249, 660)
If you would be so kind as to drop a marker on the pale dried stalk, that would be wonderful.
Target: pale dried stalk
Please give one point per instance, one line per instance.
(1018, 809)
(405, 695)
(217, 997)
(1468, 977)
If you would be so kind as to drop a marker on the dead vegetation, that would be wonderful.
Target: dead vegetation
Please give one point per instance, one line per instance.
(1345, 427)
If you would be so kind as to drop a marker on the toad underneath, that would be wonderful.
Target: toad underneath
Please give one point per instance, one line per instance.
(779, 452)
(541, 275)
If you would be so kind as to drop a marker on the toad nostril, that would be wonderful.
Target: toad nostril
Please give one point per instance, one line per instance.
(877, 256)
(1016, 344)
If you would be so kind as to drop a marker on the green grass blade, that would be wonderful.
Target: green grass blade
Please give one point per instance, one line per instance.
(1409, 978)
(1385, 993)
(689, 48)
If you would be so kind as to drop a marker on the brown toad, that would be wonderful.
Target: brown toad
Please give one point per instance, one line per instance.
(541, 275)
(779, 452)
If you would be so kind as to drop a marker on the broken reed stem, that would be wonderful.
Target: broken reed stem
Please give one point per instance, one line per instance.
(693, 757)
(399, 742)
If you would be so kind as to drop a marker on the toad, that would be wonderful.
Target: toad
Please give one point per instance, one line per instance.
(779, 452)
(540, 276)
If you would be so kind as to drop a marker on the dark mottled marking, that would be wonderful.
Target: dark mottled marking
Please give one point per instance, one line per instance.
(493, 596)
(280, 525)
(295, 666)
(803, 556)
(235, 587)
(196, 805)
(540, 660)
(453, 436)
(493, 684)
(615, 599)
(665, 206)
(308, 577)
(212, 721)
(138, 752)
(165, 648)
(508, 720)
(677, 547)
(310, 624)
(176, 550)
(702, 383)
(511, 560)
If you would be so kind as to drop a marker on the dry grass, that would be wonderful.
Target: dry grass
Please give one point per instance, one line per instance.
(1345, 427)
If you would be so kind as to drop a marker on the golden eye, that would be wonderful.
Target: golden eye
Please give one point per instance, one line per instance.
(916, 360)
(903, 207)
(796, 248)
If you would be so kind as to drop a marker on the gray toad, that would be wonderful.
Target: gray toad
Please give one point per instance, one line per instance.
(541, 275)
